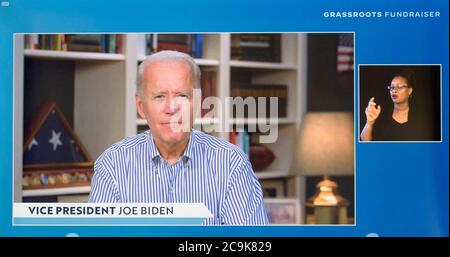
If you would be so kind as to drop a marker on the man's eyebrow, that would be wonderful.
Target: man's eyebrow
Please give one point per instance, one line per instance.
(160, 92)
(186, 92)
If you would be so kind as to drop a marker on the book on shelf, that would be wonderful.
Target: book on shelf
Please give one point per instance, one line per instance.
(208, 82)
(260, 90)
(101, 43)
(88, 39)
(85, 42)
(175, 42)
(83, 48)
(56, 42)
(233, 136)
(111, 45)
(197, 46)
(256, 47)
(241, 139)
(184, 48)
(150, 46)
(32, 41)
(191, 44)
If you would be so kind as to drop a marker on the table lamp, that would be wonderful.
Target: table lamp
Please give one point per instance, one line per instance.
(326, 147)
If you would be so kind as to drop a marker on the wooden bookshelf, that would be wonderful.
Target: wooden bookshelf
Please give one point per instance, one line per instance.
(67, 55)
(57, 191)
(279, 121)
(262, 65)
(268, 174)
(200, 62)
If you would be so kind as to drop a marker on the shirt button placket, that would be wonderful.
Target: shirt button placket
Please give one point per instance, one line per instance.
(171, 177)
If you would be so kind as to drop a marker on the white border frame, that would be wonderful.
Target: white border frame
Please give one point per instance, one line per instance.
(302, 102)
(395, 65)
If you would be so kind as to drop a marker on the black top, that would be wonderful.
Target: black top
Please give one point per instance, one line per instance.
(387, 129)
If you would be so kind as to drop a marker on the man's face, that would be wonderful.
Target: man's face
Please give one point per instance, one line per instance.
(167, 101)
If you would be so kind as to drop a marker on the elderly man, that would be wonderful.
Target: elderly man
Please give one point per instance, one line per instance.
(173, 163)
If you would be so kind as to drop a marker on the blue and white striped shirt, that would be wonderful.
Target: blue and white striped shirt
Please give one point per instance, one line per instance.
(211, 171)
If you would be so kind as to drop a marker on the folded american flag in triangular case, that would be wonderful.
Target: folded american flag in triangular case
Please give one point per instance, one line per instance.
(53, 155)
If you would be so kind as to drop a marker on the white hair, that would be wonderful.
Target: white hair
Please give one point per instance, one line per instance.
(167, 55)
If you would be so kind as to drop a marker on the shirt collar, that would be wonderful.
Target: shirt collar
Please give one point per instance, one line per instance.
(188, 152)
(152, 147)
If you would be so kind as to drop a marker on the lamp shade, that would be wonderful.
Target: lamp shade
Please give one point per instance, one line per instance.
(325, 144)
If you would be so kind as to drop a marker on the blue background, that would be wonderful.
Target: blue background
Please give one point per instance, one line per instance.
(401, 188)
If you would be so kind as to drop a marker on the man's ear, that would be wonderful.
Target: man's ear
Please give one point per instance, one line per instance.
(197, 102)
(139, 105)
(410, 90)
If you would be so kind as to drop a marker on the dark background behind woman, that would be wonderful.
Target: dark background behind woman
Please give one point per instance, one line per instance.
(425, 103)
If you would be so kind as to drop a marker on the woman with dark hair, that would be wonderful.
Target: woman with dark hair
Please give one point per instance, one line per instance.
(399, 123)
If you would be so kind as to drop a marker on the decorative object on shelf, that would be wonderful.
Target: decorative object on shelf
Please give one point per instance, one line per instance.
(273, 188)
(329, 206)
(326, 147)
(262, 47)
(53, 155)
(283, 211)
(260, 157)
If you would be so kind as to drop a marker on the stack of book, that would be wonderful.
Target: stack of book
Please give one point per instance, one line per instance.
(191, 44)
(256, 47)
(266, 91)
(103, 43)
(55, 42)
(208, 80)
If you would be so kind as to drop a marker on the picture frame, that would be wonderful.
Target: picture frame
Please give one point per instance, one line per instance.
(67, 164)
(273, 188)
(283, 211)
